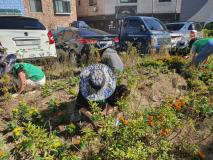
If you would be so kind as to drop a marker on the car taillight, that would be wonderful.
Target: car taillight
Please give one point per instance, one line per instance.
(51, 38)
(116, 40)
(87, 41)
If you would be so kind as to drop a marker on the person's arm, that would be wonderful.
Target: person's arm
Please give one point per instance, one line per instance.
(86, 113)
(88, 116)
(22, 79)
(193, 53)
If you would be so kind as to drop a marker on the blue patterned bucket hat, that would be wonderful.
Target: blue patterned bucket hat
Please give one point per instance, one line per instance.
(97, 82)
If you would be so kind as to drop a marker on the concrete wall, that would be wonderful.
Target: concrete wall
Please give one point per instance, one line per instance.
(143, 7)
(48, 17)
(12, 4)
(106, 14)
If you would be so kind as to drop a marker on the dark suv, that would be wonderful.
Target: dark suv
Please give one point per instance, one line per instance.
(147, 32)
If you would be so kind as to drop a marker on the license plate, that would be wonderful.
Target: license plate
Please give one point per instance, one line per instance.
(106, 42)
(27, 42)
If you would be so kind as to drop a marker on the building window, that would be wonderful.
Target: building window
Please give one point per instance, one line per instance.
(92, 2)
(128, 1)
(164, 0)
(62, 6)
(35, 6)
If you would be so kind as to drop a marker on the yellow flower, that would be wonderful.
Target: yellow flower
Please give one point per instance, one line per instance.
(57, 143)
(1, 152)
(35, 110)
(15, 110)
(17, 131)
(6, 79)
(31, 112)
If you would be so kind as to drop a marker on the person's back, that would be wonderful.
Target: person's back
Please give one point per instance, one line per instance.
(201, 50)
(33, 72)
(111, 58)
(200, 43)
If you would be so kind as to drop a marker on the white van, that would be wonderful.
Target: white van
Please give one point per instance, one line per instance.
(26, 37)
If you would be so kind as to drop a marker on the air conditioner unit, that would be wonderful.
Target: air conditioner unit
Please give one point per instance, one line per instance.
(95, 9)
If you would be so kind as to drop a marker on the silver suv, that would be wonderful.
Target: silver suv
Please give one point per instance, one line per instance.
(182, 31)
(185, 28)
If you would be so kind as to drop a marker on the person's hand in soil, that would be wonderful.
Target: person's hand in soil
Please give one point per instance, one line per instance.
(97, 126)
(88, 116)
(108, 110)
(22, 79)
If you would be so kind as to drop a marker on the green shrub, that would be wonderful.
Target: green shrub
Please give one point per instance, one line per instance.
(208, 33)
(36, 143)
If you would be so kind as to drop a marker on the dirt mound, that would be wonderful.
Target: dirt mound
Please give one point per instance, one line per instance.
(156, 89)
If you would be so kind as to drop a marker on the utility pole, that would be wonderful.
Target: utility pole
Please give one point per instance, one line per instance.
(176, 10)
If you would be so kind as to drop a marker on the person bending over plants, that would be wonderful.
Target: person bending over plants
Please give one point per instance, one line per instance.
(98, 84)
(26, 75)
(111, 58)
(201, 50)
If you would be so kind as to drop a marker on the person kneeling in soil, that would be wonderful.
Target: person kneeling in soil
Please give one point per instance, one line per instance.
(27, 77)
(98, 84)
(111, 58)
(201, 50)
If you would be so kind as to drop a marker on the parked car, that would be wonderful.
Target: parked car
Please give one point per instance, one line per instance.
(79, 24)
(26, 37)
(184, 29)
(80, 39)
(147, 33)
(182, 32)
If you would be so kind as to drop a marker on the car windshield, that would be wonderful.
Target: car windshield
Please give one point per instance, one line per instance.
(83, 24)
(153, 24)
(20, 23)
(174, 26)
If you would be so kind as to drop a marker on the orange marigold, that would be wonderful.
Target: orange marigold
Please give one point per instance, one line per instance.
(151, 118)
(125, 122)
(121, 118)
(179, 104)
(151, 123)
(165, 132)
(1, 152)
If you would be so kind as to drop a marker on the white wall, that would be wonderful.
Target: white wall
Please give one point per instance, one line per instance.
(107, 7)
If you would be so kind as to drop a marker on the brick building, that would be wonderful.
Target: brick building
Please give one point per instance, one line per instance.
(52, 13)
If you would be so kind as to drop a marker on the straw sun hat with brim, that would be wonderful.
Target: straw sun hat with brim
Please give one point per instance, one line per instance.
(97, 82)
(6, 63)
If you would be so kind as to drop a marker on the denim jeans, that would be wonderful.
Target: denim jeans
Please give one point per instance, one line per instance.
(204, 53)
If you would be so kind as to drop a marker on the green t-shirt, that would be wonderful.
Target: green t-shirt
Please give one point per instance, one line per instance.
(32, 72)
(199, 44)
